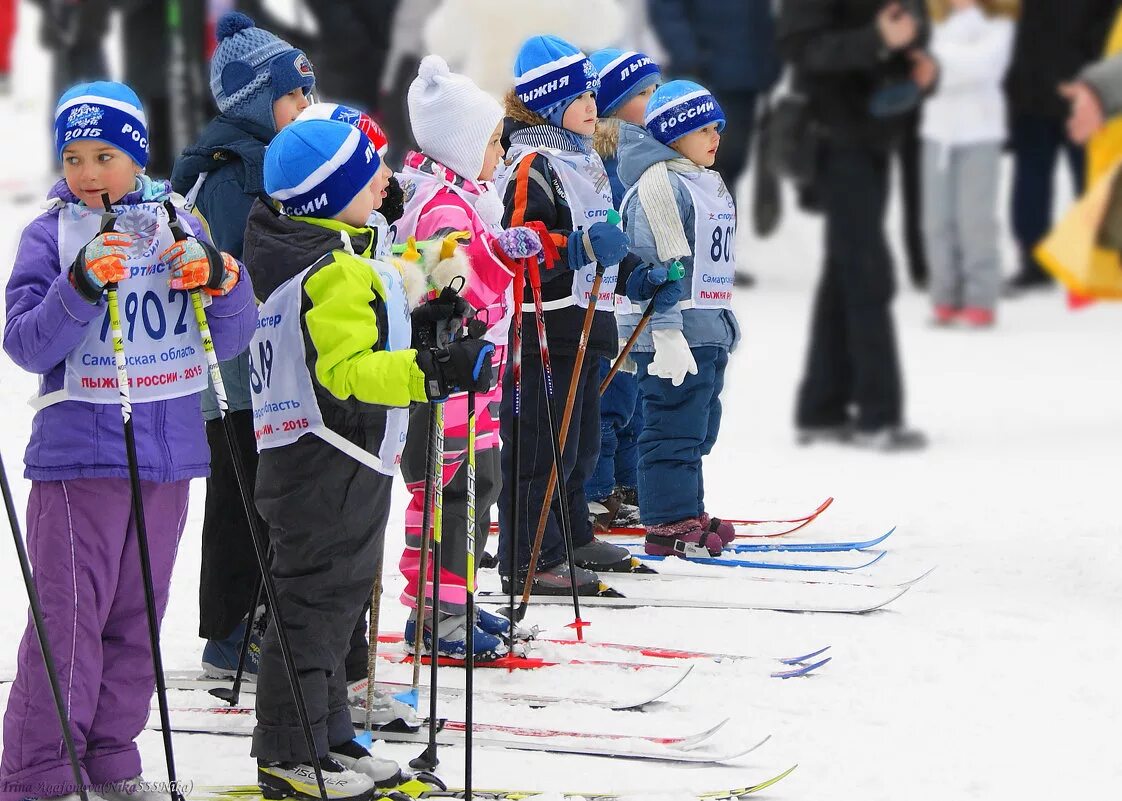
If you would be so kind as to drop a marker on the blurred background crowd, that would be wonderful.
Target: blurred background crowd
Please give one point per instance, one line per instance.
(850, 101)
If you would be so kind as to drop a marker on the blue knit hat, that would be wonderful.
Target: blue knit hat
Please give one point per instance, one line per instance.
(251, 68)
(623, 75)
(681, 107)
(315, 168)
(104, 110)
(550, 73)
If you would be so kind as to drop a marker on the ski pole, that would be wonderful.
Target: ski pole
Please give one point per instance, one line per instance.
(41, 631)
(372, 650)
(522, 244)
(233, 694)
(555, 439)
(556, 475)
(108, 220)
(247, 504)
(426, 526)
(469, 678)
(428, 759)
(675, 274)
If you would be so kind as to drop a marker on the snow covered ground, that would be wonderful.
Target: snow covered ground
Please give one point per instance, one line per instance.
(995, 678)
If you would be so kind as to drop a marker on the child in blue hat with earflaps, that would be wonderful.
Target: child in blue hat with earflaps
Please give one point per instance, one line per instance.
(677, 209)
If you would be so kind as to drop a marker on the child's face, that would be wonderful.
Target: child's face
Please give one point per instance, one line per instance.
(635, 109)
(493, 154)
(580, 116)
(92, 167)
(287, 108)
(700, 146)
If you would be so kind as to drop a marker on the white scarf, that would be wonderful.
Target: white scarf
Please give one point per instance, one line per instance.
(657, 197)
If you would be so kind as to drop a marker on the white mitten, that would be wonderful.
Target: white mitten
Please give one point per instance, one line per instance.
(673, 357)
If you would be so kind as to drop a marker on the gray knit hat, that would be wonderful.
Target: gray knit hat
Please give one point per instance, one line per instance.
(251, 68)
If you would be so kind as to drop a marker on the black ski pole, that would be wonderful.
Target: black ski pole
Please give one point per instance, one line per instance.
(247, 504)
(41, 631)
(428, 759)
(469, 678)
(426, 545)
(108, 219)
(516, 443)
(232, 695)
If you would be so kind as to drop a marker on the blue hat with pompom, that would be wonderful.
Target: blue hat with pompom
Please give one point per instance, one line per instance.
(252, 68)
(681, 107)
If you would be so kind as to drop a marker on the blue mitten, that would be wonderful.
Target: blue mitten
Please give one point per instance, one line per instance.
(648, 281)
(605, 243)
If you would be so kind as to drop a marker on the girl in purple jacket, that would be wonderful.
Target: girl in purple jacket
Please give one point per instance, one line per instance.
(80, 531)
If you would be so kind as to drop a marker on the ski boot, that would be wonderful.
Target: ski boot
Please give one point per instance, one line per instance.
(683, 538)
(220, 657)
(279, 780)
(555, 580)
(352, 756)
(719, 527)
(453, 640)
(387, 711)
(628, 514)
(500, 626)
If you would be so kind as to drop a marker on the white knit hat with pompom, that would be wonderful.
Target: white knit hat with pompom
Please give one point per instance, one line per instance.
(451, 117)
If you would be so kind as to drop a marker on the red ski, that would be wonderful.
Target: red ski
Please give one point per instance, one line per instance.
(787, 526)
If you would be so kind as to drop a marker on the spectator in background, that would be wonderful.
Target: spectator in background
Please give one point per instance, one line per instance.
(1054, 40)
(150, 72)
(407, 48)
(8, 18)
(844, 52)
(964, 128)
(352, 47)
(729, 47)
(74, 31)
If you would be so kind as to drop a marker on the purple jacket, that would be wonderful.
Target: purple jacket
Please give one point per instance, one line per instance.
(47, 319)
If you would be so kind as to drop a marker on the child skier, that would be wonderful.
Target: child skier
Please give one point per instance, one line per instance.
(260, 83)
(80, 530)
(332, 358)
(553, 176)
(963, 128)
(449, 190)
(678, 210)
(627, 80)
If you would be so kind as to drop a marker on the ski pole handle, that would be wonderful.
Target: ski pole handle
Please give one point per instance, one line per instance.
(676, 273)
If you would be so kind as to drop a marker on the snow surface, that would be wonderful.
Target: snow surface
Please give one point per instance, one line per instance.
(994, 678)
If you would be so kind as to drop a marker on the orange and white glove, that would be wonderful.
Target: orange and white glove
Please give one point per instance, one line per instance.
(195, 264)
(100, 262)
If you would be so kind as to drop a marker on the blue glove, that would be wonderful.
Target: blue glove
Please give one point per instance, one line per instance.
(609, 245)
(649, 281)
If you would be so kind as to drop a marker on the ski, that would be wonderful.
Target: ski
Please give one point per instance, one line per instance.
(873, 600)
(794, 668)
(828, 578)
(813, 547)
(786, 526)
(251, 792)
(191, 680)
(655, 652)
(860, 563)
(239, 722)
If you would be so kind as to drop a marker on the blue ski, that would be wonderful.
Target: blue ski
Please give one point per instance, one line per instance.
(814, 547)
(722, 562)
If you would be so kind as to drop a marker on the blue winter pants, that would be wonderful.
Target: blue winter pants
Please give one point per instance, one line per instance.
(621, 421)
(681, 425)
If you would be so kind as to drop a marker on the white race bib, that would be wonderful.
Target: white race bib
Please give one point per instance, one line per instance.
(285, 406)
(163, 347)
(589, 193)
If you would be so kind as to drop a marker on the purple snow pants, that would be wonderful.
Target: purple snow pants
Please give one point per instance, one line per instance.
(81, 539)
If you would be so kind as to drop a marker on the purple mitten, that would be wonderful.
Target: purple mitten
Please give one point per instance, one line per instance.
(520, 242)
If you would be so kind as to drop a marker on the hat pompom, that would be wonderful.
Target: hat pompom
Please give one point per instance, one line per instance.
(432, 67)
(231, 23)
